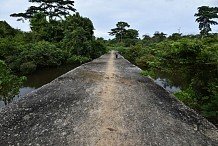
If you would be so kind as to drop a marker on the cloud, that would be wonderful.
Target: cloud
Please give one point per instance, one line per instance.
(8, 7)
(147, 16)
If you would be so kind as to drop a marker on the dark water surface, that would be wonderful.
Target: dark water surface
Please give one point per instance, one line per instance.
(177, 77)
(40, 78)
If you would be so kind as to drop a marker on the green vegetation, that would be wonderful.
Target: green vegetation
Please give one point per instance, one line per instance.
(9, 83)
(124, 36)
(50, 43)
(57, 37)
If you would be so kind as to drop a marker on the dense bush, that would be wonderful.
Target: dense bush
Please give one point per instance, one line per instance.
(50, 42)
(35, 55)
(28, 67)
(77, 59)
(9, 83)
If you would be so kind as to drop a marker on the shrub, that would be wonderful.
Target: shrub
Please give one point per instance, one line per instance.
(9, 83)
(77, 59)
(148, 73)
(188, 97)
(28, 67)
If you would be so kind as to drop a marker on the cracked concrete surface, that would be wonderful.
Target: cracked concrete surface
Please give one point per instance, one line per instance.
(105, 102)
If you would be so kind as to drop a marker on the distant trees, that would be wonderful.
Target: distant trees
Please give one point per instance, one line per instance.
(52, 41)
(146, 37)
(205, 18)
(175, 36)
(131, 34)
(124, 35)
(119, 31)
(9, 83)
(159, 36)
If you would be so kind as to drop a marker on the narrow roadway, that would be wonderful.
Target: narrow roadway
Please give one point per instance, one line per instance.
(109, 113)
(105, 102)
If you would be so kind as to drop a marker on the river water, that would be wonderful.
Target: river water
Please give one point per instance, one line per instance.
(40, 78)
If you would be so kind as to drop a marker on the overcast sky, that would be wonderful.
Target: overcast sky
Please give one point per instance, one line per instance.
(146, 16)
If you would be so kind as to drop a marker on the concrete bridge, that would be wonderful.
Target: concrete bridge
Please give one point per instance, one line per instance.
(105, 102)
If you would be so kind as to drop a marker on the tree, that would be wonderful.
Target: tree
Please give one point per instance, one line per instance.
(146, 40)
(73, 22)
(175, 36)
(159, 36)
(42, 29)
(9, 83)
(205, 18)
(119, 31)
(6, 30)
(146, 37)
(50, 8)
(131, 34)
(130, 37)
(39, 26)
(77, 31)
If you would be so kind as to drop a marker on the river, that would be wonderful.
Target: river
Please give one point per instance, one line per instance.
(40, 78)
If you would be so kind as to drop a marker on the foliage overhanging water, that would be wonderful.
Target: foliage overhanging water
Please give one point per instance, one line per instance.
(40, 78)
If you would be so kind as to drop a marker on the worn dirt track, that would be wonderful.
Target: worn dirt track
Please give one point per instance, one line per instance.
(105, 102)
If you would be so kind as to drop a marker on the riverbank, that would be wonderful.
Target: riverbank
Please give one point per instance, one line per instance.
(103, 102)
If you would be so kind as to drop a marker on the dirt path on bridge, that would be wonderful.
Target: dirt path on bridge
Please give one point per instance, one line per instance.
(112, 121)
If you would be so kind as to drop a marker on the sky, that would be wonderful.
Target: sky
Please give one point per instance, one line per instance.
(146, 16)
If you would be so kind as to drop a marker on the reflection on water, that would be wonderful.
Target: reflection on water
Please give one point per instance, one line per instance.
(198, 81)
(179, 77)
(40, 78)
(44, 76)
(174, 77)
(164, 83)
(2, 104)
(24, 91)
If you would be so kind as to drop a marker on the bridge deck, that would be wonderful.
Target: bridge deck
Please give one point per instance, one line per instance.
(105, 102)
